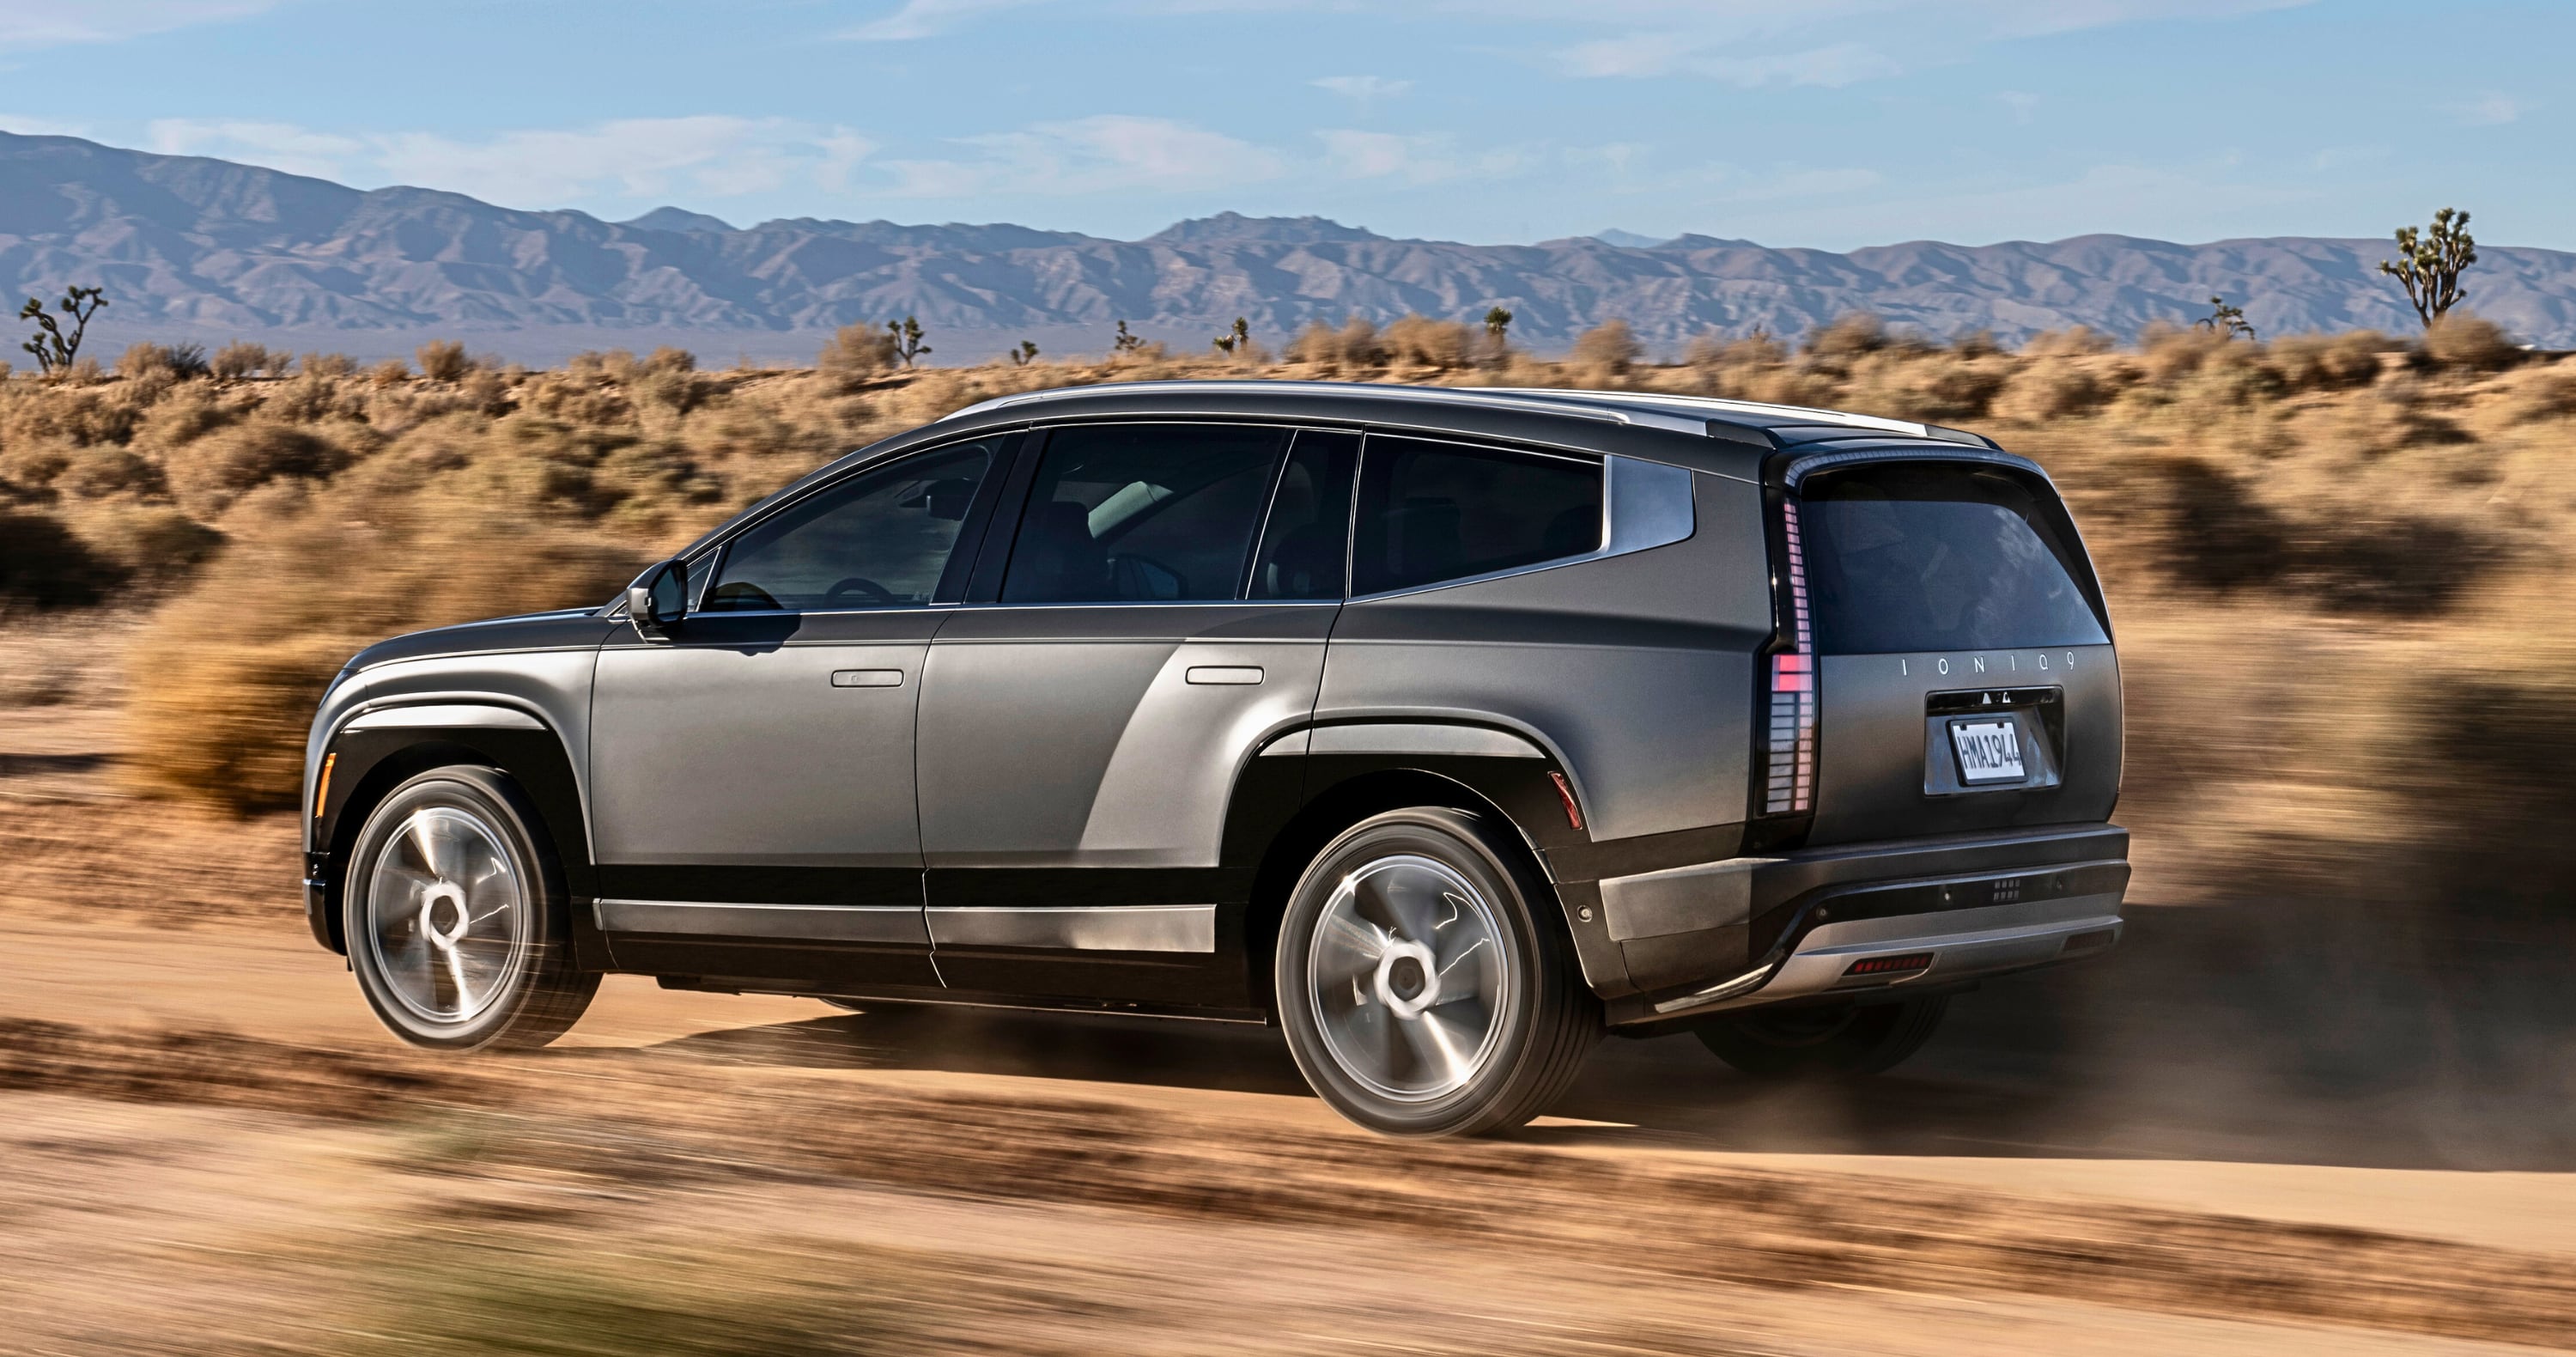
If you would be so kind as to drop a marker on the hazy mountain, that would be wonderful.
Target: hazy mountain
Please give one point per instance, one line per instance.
(679, 219)
(191, 247)
(1627, 240)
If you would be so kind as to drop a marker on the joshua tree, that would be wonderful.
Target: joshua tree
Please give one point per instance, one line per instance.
(1498, 325)
(55, 350)
(1025, 354)
(1235, 341)
(906, 334)
(1125, 342)
(2224, 320)
(2429, 264)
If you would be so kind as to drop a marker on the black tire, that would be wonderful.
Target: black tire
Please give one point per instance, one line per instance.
(1848, 1039)
(419, 941)
(1532, 1017)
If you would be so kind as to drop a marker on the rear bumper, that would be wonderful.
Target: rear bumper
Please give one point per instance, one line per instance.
(1863, 920)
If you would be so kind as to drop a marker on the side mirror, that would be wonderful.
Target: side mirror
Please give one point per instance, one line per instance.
(658, 599)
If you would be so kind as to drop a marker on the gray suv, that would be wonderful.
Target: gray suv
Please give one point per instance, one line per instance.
(1446, 729)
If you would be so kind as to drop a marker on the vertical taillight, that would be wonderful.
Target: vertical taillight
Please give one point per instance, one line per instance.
(1790, 787)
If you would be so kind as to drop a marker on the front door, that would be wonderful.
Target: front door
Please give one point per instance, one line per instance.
(752, 777)
(1160, 615)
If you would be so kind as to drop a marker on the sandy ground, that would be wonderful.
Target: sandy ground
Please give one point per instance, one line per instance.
(2272, 1127)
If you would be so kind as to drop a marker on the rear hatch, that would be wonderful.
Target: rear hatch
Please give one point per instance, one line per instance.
(1944, 661)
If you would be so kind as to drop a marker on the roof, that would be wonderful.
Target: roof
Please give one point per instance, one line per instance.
(1706, 416)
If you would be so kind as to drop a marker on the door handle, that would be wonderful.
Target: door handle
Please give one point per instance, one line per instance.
(867, 678)
(1243, 674)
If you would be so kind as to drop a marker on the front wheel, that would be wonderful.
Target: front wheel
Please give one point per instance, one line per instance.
(457, 920)
(1422, 989)
(1843, 1039)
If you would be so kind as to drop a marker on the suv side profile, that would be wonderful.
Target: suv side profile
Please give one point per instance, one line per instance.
(1445, 729)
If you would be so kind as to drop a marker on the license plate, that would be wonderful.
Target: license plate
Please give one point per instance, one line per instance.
(1989, 752)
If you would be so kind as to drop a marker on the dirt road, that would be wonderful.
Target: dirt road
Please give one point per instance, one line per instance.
(2084, 1161)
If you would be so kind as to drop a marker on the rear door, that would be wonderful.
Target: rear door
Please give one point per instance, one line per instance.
(1959, 673)
(1147, 629)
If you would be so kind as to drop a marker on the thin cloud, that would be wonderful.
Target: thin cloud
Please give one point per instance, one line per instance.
(1106, 153)
(919, 19)
(708, 156)
(2490, 110)
(26, 25)
(1363, 89)
(1425, 158)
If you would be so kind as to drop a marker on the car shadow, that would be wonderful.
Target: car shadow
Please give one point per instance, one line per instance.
(2277, 1032)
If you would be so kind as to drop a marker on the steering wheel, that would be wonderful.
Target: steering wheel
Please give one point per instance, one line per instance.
(876, 593)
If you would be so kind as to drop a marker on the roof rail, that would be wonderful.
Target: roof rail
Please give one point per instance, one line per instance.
(1707, 416)
(1486, 397)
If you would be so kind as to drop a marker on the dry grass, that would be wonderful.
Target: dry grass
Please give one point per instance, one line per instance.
(2341, 535)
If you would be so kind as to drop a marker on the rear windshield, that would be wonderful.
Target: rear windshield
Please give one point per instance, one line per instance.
(1909, 556)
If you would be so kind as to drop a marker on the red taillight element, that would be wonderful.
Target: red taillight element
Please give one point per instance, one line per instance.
(1891, 965)
(1790, 788)
(1565, 793)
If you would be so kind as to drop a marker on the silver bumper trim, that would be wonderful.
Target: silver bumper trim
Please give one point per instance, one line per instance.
(1964, 943)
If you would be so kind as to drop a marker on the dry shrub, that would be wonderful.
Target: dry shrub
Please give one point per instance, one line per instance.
(2051, 390)
(1607, 350)
(181, 418)
(241, 358)
(32, 463)
(2171, 352)
(2228, 374)
(485, 392)
(79, 415)
(106, 470)
(2546, 392)
(389, 373)
(44, 565)
(2322, 362)
(312, 398)
(330, 365)
(1355, 347)
(855, 356)
(1976, 344)
(209, 474)
(1443, 345)
(2464, 342)
(143, 546)
(1935, 386)
(1718, 353)
(443, 360)
(2079, 341)
(578, 400)
(1848, 337)
(179, 361)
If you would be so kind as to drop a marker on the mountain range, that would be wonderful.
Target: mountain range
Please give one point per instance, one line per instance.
(195, 248)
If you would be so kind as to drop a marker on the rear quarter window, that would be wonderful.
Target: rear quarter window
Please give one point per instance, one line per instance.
(1431, 511)
(1918, 556)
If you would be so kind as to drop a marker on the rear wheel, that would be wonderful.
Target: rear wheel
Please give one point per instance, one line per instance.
(1422, 990)
(1842, 1039)
(457, 919)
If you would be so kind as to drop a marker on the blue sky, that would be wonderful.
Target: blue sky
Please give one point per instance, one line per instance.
(1829, 123)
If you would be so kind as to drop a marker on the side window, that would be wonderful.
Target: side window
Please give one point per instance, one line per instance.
(1432, 511)
(877, 540)
(1306, 538)
(1142, 513)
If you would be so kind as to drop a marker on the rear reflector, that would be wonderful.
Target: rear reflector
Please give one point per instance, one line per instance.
(1891, 965)
(1790, 776)
(2090, 942)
